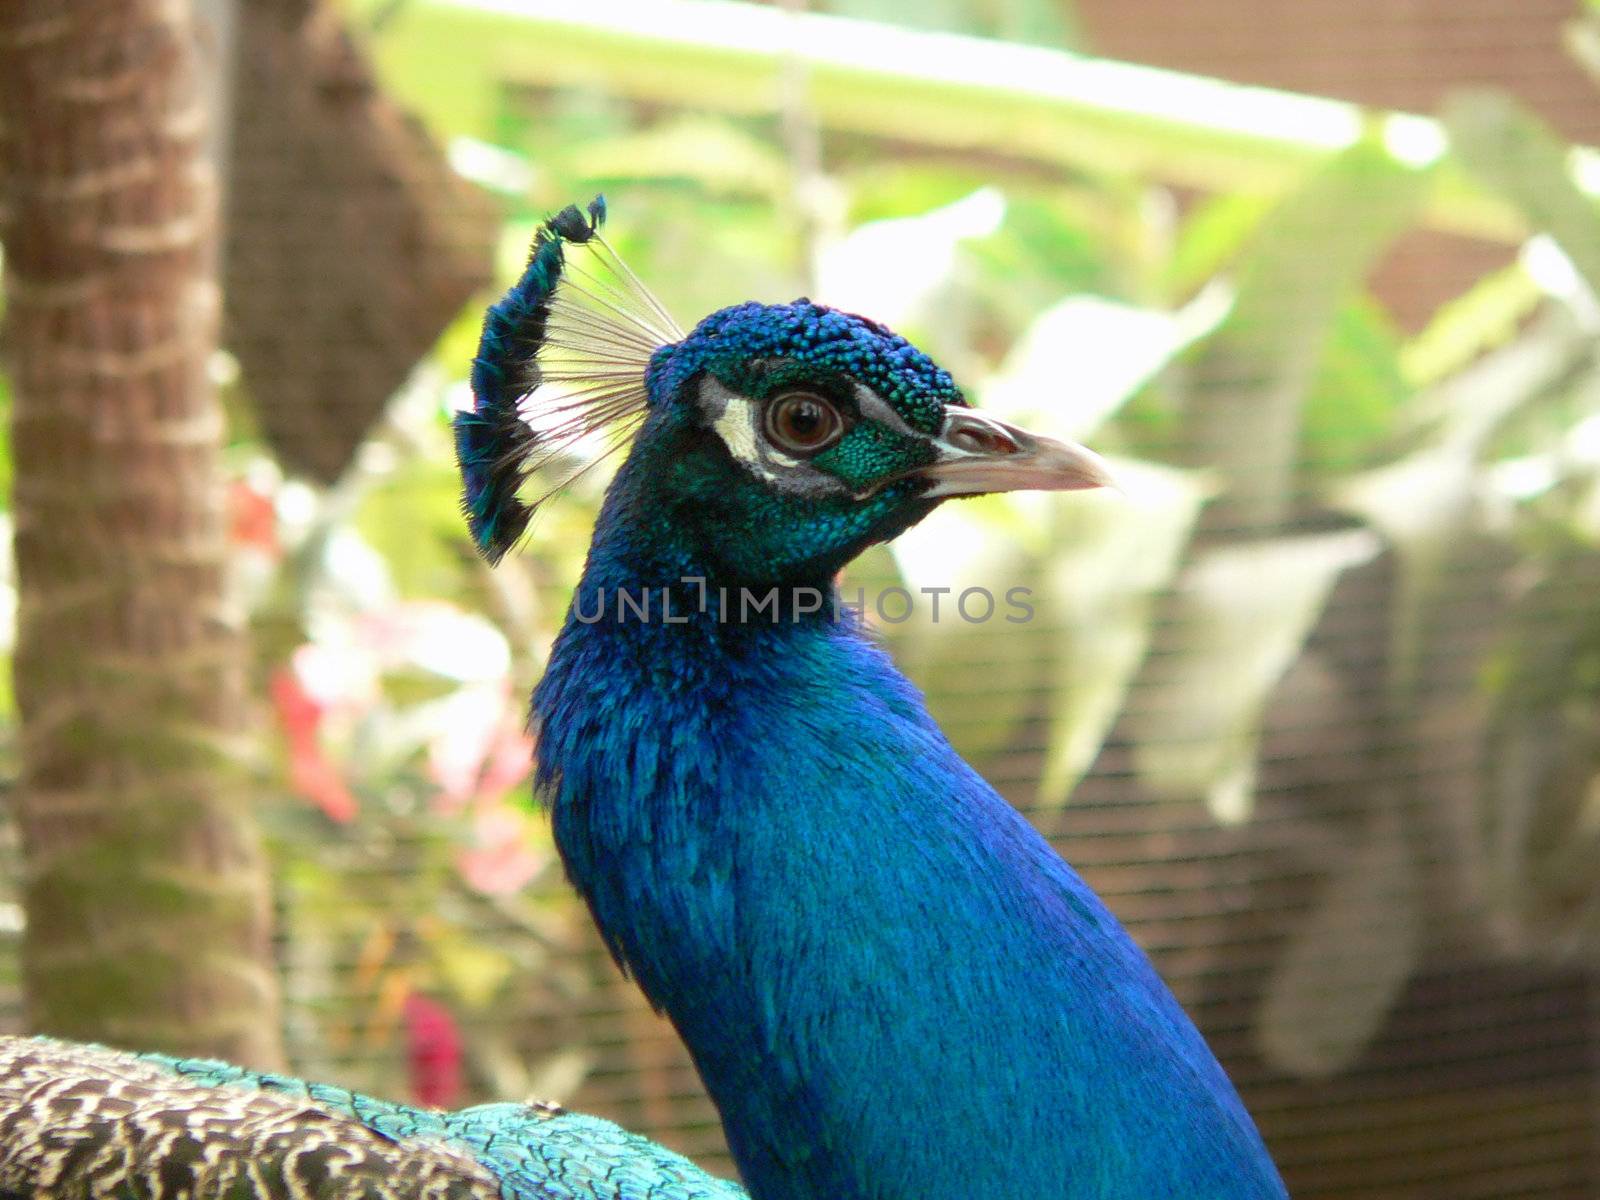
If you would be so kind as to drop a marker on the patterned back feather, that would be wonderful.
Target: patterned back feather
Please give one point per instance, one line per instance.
(562, 356)
(86, 1123)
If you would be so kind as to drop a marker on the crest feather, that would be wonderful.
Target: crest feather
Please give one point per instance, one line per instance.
(562, 357)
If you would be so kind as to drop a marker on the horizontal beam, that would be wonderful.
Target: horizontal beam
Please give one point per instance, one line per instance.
(953, 92)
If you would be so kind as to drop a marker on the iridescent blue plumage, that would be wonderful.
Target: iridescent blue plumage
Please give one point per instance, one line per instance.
(842, 343)
(86, 1123)
(893, 987)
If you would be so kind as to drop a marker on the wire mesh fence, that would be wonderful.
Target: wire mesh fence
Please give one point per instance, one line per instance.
(1327, 751)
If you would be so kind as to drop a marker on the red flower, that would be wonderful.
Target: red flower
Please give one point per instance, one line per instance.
(312, 774)
(433, 1052)
(252, 519)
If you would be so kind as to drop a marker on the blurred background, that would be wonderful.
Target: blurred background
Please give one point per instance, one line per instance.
(1315, 704)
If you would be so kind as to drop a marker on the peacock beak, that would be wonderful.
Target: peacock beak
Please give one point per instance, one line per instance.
(980, 453)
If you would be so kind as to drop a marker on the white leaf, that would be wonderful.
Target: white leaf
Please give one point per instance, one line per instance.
(1426, 503)
(1243, 616)
(981, 677)
(1083, 357)
(1114, 560)
(894, 268)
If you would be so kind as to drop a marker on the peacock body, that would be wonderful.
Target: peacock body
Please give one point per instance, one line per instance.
(892, 986)
(83, 1122)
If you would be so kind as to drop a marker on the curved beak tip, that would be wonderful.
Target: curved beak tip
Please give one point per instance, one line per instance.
(1101, 474)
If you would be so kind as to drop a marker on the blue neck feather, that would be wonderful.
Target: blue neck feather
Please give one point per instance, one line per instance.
(891, 985)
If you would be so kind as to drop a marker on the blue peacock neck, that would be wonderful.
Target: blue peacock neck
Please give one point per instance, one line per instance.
(657, 743)
(890, 983)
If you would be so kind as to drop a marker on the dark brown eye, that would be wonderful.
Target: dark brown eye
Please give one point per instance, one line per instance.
(803, 423)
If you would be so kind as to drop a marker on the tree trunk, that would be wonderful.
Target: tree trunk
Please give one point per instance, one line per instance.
(146, 889)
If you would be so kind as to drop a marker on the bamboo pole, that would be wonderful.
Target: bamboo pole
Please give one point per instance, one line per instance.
(1036, 104)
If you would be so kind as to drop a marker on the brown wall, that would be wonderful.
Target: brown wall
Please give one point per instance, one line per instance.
(1396, 53)
(1407, 54)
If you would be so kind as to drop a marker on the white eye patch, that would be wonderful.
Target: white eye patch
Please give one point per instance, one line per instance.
(737, 427)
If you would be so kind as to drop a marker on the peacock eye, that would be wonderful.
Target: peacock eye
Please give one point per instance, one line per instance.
(803, 422)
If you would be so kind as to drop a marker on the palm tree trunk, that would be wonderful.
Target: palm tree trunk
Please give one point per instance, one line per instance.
(146, 889)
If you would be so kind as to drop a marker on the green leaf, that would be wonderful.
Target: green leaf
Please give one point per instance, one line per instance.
(413, 520)
(1251, 380)
(717, 155)
(946, 16)
(700, 251)
(424, 71)
(1514, 153)
(1487, 315)
(1212, 237)
(880, 189)
(1043, 22)
(1053, 243)
(1356, 393)
(1425, 503)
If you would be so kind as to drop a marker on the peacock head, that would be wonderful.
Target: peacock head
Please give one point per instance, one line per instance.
(770, 444)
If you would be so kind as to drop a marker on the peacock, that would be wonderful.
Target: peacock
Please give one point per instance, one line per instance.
(80, 1122)
(891, 985)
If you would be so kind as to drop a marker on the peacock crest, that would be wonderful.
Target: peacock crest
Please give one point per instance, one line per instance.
(561, 365)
